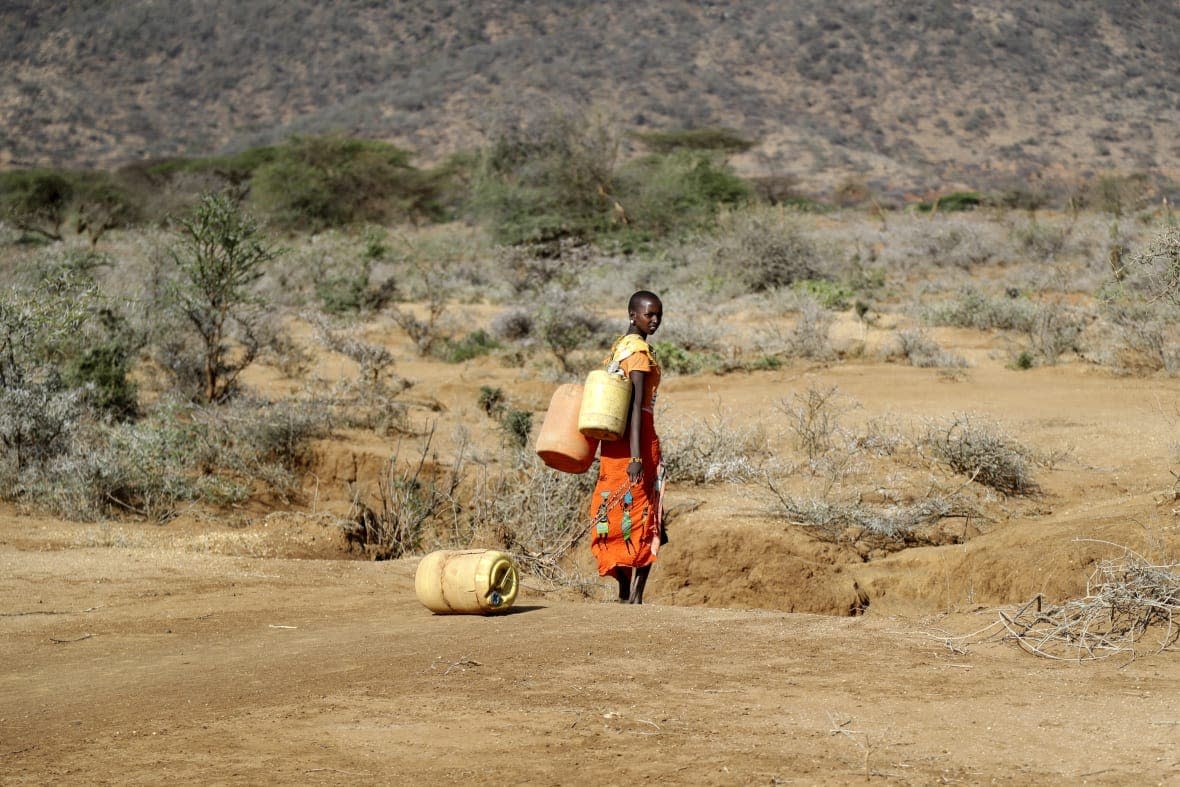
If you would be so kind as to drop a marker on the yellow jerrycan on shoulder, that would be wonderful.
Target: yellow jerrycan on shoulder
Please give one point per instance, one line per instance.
(606, 402)
(466, 581)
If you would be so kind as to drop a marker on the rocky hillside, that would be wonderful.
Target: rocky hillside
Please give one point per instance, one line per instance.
(906, 96)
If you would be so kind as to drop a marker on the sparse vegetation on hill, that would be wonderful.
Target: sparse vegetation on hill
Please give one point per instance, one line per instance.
(907, 98)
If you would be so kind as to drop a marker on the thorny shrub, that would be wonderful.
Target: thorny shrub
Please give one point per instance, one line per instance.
(564, 328)
(1055, 330)
(920, 349)
(767, 248)
(811, 335)
(1159, 265)
(180, 452)
(219, 255)
(973, 309)
(1143, 338)
(982, 452)
(813, 418)
(535, 513)
(888, 528)
(713, 450)
(411, 498)
(513, 325)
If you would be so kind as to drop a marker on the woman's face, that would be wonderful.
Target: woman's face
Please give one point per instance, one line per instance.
(647, 316)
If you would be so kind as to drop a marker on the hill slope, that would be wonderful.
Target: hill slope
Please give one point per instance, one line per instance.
(906, 95)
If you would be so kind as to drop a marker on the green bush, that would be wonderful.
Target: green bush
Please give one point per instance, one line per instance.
(953, 202)
(234, 168)
(473, 345)
(44, 202)
(724, 140)
(674, 359)
(491, 401)
(39, 412)
(103, 370)
(351, 291)
(829, 294)
(663, 194)
(313, 183)
(554, 176)
(102, 202)
(564, 329)
(517, 425)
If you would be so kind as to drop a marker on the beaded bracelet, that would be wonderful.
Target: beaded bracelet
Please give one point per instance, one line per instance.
(638, 459)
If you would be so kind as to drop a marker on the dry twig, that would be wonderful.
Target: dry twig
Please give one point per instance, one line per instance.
(1125, 599)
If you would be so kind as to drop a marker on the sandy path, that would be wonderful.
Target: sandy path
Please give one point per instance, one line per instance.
(235, 670)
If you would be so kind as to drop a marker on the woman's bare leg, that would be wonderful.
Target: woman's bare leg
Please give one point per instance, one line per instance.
(623, 577)
(638, 583)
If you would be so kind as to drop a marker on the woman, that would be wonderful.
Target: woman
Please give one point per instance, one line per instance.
(626, 508)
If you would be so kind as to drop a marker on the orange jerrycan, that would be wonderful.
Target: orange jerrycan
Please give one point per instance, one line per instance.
(559, 443)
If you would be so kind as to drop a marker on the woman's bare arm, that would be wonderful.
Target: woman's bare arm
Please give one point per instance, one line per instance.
(635, 425)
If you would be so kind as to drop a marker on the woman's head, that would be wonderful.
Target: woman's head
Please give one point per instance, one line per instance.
(647, 312)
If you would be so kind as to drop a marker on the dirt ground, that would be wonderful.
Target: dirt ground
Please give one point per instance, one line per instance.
(246, 648)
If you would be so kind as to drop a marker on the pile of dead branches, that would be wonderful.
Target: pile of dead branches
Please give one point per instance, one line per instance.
(1127, 599)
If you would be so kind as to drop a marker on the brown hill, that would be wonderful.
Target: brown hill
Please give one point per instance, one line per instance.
(906, 96)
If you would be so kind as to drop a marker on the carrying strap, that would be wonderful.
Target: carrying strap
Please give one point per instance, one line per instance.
(627, 345)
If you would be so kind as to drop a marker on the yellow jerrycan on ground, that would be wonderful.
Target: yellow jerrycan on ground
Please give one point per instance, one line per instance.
(466, 581)
(559, 443)
(606, 401)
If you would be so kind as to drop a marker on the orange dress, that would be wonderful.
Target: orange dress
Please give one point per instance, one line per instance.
(626, 518)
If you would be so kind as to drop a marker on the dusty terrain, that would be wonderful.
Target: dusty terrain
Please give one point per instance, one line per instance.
(246, 647)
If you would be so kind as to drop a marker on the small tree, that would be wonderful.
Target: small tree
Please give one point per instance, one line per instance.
(220, 254)
(101, 203)
(36, 409)
(36, 201)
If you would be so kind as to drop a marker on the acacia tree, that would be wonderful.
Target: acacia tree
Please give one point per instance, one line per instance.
(35, 201)
(220, 254)
(548, 174)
